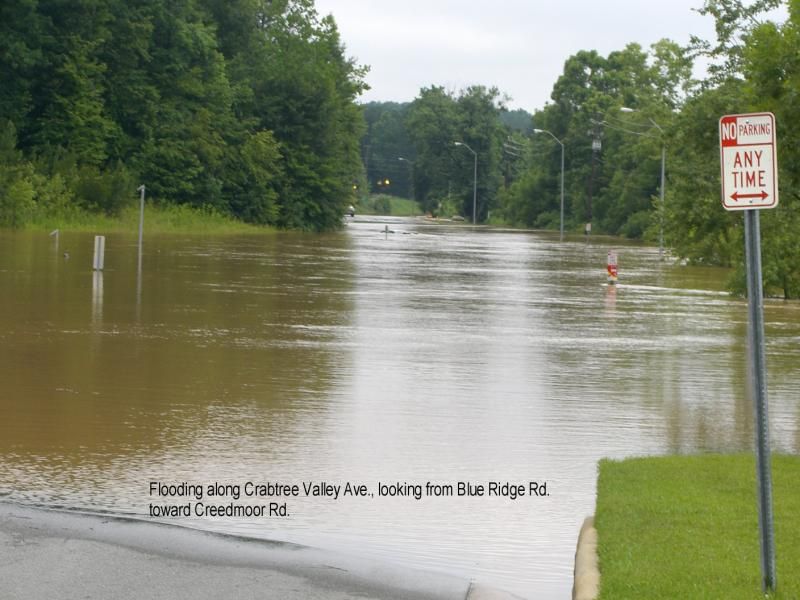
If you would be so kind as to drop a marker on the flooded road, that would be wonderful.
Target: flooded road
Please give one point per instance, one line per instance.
(431, 354)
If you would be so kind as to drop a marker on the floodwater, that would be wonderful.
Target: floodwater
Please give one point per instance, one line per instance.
(439, 354)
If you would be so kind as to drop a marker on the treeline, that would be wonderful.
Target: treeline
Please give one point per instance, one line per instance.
(615, 115)
(410, 149)
(612, 158)
(243, 107)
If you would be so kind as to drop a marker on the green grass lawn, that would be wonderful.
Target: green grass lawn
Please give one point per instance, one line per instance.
(686, 527)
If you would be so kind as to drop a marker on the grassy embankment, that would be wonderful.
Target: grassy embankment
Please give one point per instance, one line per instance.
(169, 218)
(173, 218)
(687, 527)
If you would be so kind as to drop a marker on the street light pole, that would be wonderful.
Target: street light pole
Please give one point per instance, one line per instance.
(411, 180)
(661, 211)
(560, 143)
(625, 109)
(474, 182)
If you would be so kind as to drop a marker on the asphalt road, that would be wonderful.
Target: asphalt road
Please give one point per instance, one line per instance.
(65, 555)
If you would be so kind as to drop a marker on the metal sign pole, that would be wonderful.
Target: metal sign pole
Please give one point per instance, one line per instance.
(141, 189)
(758, 383)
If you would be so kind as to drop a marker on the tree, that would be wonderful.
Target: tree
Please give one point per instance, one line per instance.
(21, 40)
(443, 172)
(247, 106)
(293, 79)
(67, 108)
(612, 187)
(479, 109)
(756, 69)
(771, 81)
(433, 126)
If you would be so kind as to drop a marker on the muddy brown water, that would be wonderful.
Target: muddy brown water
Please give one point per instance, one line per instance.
(436, 353)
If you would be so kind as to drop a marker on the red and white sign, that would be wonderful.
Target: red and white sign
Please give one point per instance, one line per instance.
(612, 267)
(749, 161)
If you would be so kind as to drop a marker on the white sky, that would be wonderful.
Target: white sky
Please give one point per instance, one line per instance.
(520, 46)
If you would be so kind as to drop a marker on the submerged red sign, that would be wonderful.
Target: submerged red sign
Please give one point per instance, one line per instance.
(748, 160)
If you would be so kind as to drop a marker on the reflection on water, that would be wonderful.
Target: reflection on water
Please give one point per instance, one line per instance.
(438, 354)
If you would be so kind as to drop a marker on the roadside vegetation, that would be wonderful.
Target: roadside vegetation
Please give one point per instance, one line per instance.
(167, 218)
(687, 527)
(384, 204)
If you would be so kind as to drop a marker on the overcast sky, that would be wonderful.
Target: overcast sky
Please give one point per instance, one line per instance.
(520, 46)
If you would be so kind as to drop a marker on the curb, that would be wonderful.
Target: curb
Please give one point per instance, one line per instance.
(586, 584)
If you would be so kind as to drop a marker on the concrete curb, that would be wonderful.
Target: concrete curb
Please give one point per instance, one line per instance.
(586, 584)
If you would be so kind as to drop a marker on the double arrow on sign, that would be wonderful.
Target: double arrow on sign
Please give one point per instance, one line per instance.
(737, 196)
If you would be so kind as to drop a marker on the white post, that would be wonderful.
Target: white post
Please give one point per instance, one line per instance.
(97, 296)
(55, 234)
(99, 252)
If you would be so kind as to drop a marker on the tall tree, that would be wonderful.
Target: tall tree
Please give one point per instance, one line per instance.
(433, 127)
(444, 172)
(247, 106)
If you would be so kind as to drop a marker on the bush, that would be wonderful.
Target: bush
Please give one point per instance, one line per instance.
(107, 191)
(636, 225)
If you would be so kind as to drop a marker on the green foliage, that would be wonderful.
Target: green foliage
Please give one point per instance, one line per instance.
(757, 70)
(696, 225)
(517, 120)
(244, 106)
(733, 20)
(432, 125)
(25, 193)
(436, 120)
(107, 191)
(612, 188)
(17, 201)
(381, 204)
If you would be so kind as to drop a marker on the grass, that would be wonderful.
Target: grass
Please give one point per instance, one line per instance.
(384, 204)
(157, 219)
(687, 527)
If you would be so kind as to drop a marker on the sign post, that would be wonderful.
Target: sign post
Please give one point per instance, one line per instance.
(612, 267)
(749, 167)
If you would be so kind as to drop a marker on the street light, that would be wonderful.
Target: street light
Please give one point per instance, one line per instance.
(625, 109)
(560, 143)
(411, 180)
(474, 181)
